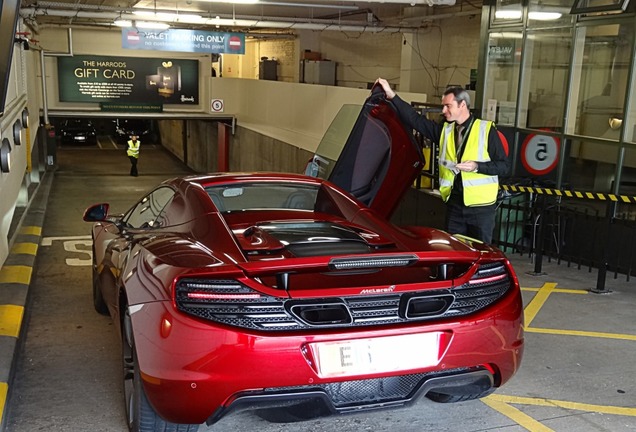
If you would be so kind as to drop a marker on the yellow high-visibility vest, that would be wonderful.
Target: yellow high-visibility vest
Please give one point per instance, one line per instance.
(133, 148)
(479, 189)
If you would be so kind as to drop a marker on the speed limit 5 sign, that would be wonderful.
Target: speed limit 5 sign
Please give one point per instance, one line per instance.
(540, 153)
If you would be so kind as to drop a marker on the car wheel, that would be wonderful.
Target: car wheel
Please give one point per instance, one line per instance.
(98, 299)
(452, 398)
(140, 416)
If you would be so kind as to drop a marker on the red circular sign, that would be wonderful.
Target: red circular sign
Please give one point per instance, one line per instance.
(540, 153)
(235, 43)
(504, 142)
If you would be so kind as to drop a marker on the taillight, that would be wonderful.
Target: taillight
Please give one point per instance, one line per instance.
(232, 303)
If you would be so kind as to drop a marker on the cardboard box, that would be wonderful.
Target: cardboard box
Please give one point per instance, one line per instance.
(311, 55)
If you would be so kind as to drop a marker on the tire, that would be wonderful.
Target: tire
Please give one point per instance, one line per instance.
(140, 416)
(98, 299)
(452, 398)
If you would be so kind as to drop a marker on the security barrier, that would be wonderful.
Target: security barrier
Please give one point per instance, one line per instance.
(582, 229)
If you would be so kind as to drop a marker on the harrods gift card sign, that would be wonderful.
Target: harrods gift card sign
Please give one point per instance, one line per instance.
(85, 78)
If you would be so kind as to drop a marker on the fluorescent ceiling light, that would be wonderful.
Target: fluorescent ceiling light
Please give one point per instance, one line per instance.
(144, 13)
(233, 1)
(544, 16)
(150, 15)
(508, 14)
(123, 23)
(152, 25)
(190, 18)
(409, 2)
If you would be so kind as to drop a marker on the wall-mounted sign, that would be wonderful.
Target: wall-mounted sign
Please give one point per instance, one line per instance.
(540, 153)
(84, 78)
(217, 105)
(182, 40)
(130, 107)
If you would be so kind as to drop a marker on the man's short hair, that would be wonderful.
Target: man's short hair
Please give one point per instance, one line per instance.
(460, 95)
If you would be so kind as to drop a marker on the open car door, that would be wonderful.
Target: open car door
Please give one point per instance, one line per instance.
(380, 158)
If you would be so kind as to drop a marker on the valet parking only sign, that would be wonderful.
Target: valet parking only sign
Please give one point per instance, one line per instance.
(181, 40)
(86, 78)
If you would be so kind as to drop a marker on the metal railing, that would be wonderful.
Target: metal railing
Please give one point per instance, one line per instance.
(586, 234)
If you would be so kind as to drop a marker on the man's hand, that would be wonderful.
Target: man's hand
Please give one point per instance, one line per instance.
(390, 94)
(468, 166)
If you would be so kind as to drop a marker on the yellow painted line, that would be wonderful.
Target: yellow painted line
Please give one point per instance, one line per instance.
(15, 274)
(4, 389)
(558, 290)
(522, 419)
(25, 248)
(31, 230)
(601, 409)
(538, 301)
(10, 320)
(601, 335)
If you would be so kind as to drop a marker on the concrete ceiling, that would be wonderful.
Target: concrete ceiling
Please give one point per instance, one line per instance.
(265, 16)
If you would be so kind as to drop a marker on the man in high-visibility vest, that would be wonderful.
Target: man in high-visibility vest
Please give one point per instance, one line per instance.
(133, 154)
(471, 159)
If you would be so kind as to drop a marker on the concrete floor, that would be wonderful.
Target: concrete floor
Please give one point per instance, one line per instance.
(576, 375)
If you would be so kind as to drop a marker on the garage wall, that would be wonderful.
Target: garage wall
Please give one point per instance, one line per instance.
(18, 185)
(362, 58)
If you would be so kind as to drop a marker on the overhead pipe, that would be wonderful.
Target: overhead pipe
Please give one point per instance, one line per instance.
(243, 21)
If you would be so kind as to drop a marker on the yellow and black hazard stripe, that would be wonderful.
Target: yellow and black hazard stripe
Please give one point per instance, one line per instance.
(572, 194)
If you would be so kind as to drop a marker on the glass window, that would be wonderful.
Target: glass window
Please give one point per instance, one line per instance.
(333, 142)
(628, 176)
(546, 66)
(594, 6)
(507, 12)
(259, 196)
(548, 13)
(146, 214)
(628, 121)
(590, 166)
(502, 72)
(599, 81)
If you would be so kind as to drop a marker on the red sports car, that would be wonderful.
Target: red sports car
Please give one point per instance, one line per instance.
(295, 296)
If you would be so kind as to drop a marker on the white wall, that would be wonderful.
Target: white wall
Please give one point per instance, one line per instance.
(18, 178)
(297, 114)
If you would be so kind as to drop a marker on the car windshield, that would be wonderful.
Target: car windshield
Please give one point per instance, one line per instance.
(258, 196)
(333, 141)
(78, 124)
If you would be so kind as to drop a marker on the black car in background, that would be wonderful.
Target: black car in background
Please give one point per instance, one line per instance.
(78, 131)
(127, 127)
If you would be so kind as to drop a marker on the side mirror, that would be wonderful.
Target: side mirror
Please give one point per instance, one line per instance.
(96, 213)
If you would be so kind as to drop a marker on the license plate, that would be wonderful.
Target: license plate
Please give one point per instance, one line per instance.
(376, 355)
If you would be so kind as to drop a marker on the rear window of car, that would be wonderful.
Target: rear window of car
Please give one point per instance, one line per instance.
(259, 196)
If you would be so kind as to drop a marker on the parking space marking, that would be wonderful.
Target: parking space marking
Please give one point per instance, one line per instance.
(10, 320)
(535, 305)
(16, 274)
(502, 403)
(112, 141)
(559, 290)
(522, 419)
(48, 241)
(578, 406)
(538, 301)
(602, 335)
